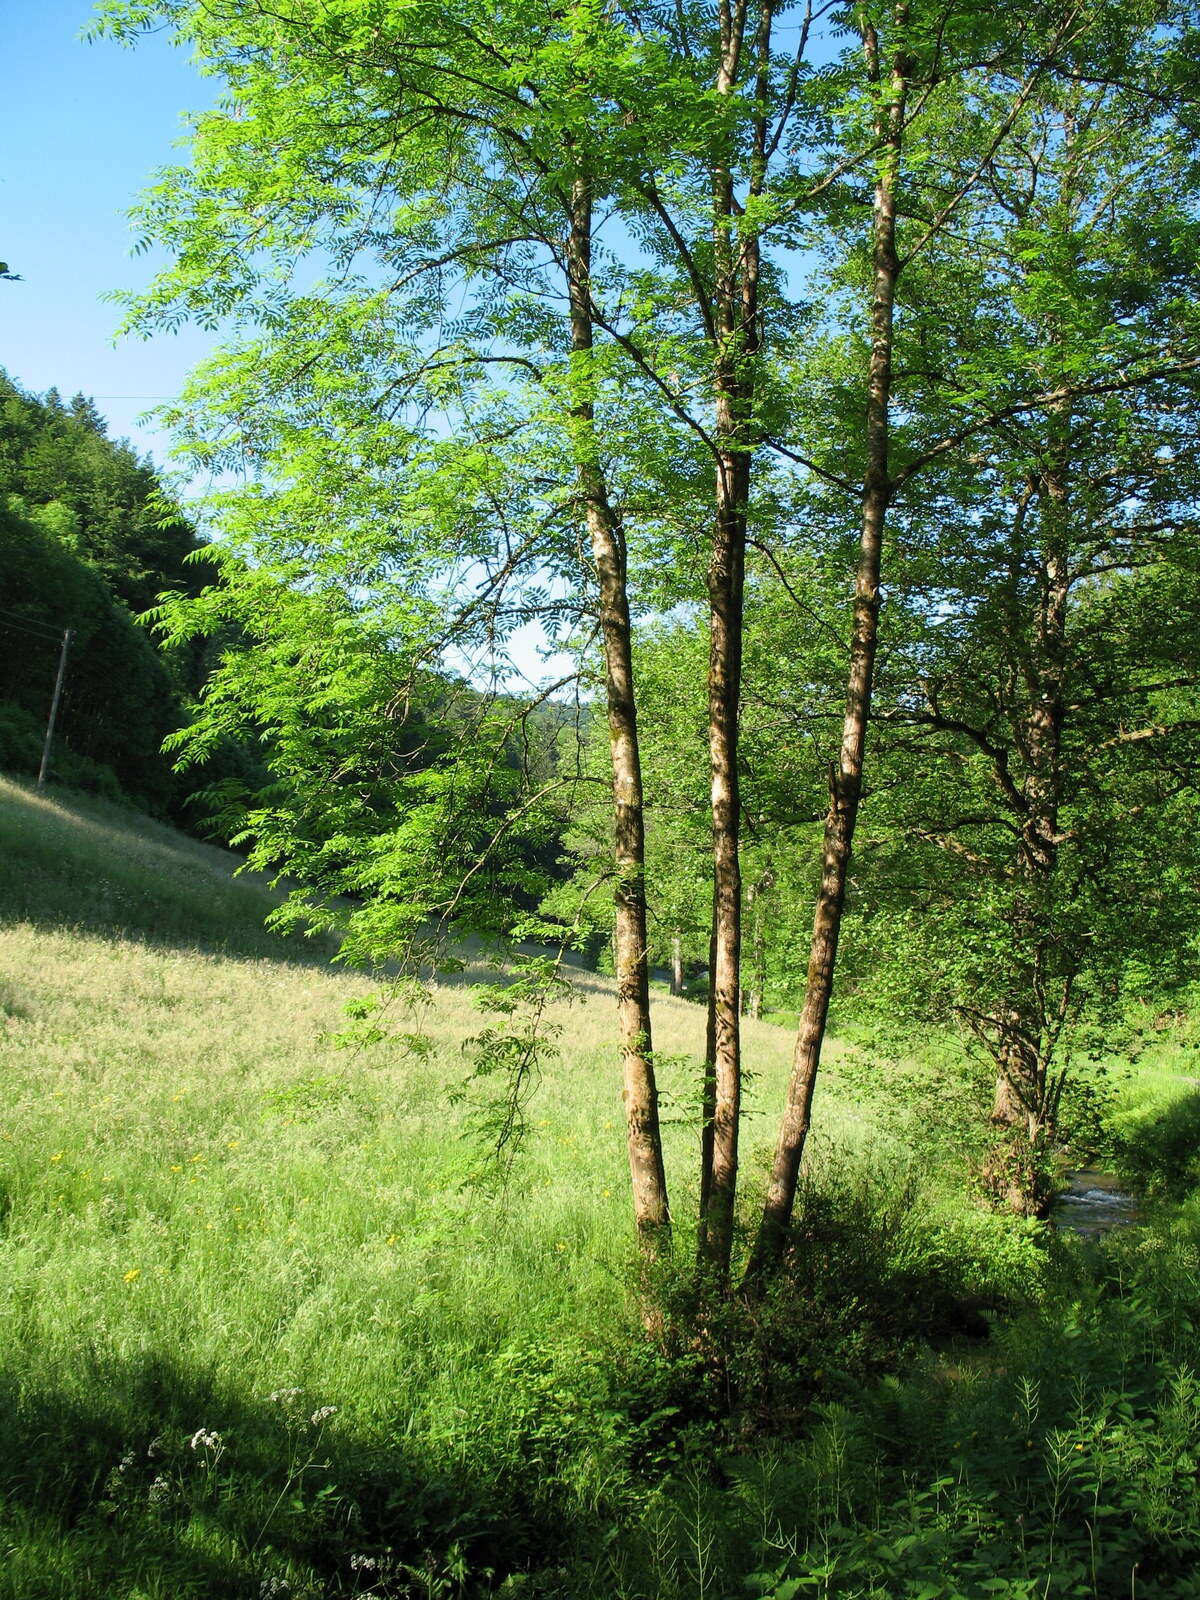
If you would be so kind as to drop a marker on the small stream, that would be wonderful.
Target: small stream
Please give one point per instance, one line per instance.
(1092, 1204)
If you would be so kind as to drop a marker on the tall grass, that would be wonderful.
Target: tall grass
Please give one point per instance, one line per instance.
(205, 1203)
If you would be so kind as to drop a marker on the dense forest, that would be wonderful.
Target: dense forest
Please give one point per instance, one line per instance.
(707, 493)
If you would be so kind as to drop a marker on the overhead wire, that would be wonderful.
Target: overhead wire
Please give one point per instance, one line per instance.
(43, 630)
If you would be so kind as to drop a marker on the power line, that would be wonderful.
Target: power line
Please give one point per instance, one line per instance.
(41, 629)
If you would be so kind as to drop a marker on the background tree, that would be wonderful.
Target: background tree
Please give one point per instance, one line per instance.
(1054, 719)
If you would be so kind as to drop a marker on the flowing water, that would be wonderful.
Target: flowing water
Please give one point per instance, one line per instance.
(1093, 1203)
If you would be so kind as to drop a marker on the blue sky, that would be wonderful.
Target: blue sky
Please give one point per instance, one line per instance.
(85, 126)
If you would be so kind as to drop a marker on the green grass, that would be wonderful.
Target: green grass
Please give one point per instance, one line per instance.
(214, 1223)
(205, 1204)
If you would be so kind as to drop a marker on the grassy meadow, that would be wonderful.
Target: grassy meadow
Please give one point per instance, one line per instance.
(261, 1336)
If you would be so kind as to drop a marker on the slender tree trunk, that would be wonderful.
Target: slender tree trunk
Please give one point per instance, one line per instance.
(708, 1092)
(759, 945)
(736, 269)
(846, 778)
(630, 943)
(676, 965)
(725, 587)
(735, 314)
(1022, 1078)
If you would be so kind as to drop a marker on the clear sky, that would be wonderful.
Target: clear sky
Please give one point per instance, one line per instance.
(85, 126)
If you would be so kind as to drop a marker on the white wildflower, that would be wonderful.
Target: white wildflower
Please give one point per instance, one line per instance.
(203, 1440)
(322, 1414)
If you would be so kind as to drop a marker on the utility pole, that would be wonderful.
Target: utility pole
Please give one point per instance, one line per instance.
(58, 683)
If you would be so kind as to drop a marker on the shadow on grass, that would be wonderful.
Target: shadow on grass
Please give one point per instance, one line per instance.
(159, 1483)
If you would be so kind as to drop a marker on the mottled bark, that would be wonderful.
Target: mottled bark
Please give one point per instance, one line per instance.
(676, 965)
(629, 937)
(845, 784)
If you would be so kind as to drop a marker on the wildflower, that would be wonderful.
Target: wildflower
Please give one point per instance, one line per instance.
(203, 1440)
(363, 1563)
(322, 1414)
(284, 1397)
(159, 1491)
(133, 1274)
(58, 1155)
(176, 1166)
(392, 1237)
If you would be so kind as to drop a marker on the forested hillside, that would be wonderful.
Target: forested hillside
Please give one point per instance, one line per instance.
(87, 543)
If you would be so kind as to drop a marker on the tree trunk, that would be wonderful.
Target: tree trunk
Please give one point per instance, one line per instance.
(736, 269)
(725, 586)
(759, 937)
(708, 1092)
(629, 938)
(846, 777)
(1022, 1079)
(676, 965)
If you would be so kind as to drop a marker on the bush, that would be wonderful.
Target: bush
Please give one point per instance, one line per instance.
(875, 1269)
(1157, 1146)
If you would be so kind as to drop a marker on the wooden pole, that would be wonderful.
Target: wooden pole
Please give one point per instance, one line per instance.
(58, 683)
